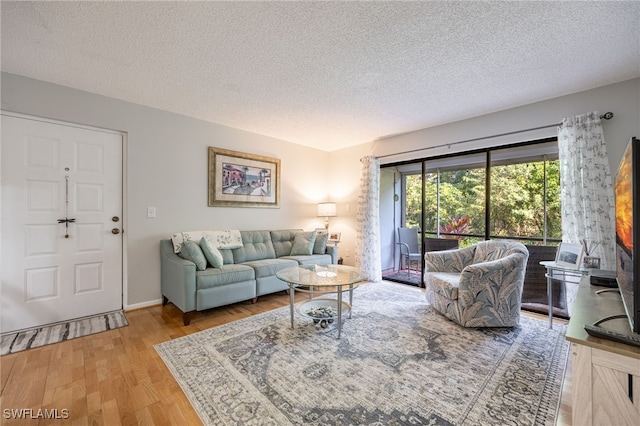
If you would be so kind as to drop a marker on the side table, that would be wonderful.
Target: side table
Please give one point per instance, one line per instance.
(563, 274)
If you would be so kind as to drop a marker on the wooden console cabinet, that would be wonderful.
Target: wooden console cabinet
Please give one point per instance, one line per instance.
(605, 383)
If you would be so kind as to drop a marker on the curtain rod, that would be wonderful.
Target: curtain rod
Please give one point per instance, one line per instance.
(605, 116)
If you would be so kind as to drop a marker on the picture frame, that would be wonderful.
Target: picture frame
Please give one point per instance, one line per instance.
(569, 255)
(334, 237)
(321, 231)
(239, 179)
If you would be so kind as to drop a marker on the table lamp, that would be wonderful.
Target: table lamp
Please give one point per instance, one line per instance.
(326, 210)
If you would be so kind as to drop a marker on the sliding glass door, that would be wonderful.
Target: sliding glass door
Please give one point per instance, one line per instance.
(458, 200)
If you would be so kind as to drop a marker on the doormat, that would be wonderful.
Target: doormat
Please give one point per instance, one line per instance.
(59, 332)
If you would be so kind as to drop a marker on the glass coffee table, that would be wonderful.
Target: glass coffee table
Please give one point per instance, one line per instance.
(322, 279)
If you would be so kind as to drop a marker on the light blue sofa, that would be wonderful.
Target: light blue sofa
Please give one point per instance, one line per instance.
(246, 273)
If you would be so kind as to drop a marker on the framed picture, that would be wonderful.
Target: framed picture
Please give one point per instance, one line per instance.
(237, 179)
(321, 231)
(569, 254)
(334, 237)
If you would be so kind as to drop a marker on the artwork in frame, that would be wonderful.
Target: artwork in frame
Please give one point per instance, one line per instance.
(321, 231)
(569, 255)
(334, 237)
(238, 179)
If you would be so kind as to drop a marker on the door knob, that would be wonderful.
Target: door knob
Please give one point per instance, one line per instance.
(115, 231)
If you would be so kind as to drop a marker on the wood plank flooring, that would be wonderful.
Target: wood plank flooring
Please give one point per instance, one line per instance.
(117, 378)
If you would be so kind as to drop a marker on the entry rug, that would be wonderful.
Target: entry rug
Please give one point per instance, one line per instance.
(59, 332)
(398, 362)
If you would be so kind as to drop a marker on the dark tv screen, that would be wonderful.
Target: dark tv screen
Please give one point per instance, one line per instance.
(627, 187)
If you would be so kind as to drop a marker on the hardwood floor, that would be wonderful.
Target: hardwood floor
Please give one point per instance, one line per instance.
(116, 377)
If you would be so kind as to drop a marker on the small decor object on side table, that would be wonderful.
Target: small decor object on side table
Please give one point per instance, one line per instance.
(334, 237)
(569, 255)
(590, 261)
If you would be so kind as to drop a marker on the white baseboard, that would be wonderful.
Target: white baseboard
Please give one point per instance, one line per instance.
(142, 305)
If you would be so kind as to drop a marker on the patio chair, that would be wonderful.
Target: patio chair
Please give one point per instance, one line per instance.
(409, 249)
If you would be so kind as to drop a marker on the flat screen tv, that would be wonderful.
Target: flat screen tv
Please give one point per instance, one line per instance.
(627, 196)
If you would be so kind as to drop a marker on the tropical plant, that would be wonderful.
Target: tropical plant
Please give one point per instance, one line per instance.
(457, 225)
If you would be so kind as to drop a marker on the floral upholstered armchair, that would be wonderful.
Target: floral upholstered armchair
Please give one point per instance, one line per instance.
(478, 286)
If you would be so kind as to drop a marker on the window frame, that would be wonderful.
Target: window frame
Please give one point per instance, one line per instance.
(488, 151)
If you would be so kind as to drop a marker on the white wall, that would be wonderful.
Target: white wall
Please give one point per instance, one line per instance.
(167, 169)
(167, 165)
(623, 99)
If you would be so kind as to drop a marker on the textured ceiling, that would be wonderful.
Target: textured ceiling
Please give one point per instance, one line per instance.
(324, 74)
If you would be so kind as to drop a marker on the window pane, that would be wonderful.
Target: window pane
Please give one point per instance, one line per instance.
(413, 201)
(455, 198)
(517, 200)
(554, 214)
(524, 193)
(430, 203)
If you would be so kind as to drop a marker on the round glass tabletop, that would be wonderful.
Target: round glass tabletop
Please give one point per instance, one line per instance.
(321, 275)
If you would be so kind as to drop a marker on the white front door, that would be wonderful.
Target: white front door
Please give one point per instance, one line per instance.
(54, 270)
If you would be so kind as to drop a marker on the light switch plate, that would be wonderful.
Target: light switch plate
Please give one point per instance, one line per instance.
(151, 212)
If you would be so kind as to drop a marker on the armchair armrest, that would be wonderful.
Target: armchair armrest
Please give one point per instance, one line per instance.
(449, 260)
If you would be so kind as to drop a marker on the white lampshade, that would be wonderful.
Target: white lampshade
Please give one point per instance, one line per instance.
(327, 209)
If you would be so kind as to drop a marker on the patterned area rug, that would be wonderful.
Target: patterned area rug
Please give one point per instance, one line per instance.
(59, 332)
(398, 362)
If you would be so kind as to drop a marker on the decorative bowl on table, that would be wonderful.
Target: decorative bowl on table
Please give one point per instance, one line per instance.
(322, 309)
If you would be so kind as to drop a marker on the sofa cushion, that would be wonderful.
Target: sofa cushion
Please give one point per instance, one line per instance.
(283, 241)
(213, 255)
(227, 256)
(320, 246)
(314, 259)
(256, 245)
(444, 283)
(303, 243)
(269, 267)
(192, 251)
(225, 275)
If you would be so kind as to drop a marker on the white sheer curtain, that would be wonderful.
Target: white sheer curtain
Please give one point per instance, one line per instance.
(586, 187)
(368, 220)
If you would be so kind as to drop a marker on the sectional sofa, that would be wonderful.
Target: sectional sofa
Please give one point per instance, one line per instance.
(206, 269)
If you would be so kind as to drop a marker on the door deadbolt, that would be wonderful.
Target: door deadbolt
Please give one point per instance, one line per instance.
(115, 218)
(115, 231)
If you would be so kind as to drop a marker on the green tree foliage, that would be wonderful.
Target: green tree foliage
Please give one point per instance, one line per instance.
(516, 194)
(461, 195)
(517, 203)
(413, 201)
